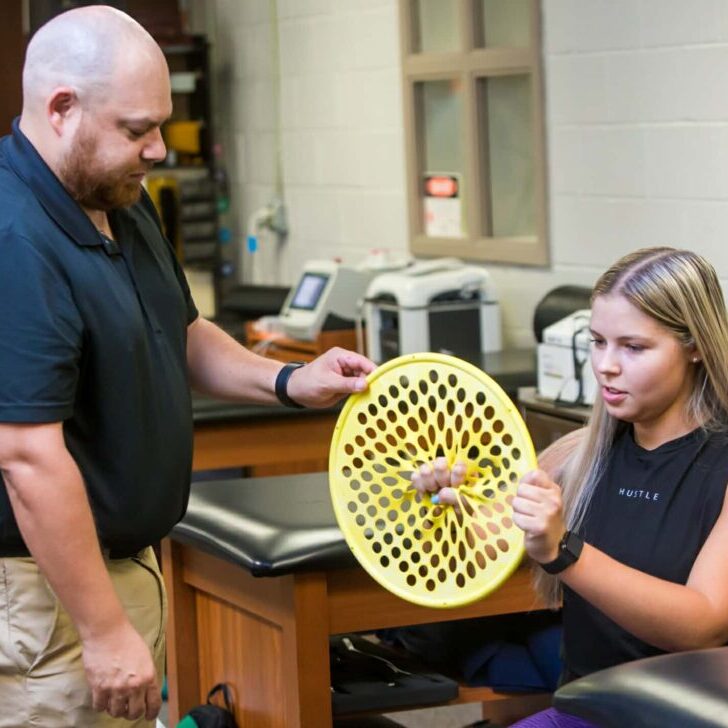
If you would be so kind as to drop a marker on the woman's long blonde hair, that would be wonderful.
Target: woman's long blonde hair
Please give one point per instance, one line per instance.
(680, 290)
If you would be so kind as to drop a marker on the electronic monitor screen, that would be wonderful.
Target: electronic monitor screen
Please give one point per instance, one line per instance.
(308, 292)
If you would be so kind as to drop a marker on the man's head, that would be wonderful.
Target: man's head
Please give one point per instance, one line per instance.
(95, 91)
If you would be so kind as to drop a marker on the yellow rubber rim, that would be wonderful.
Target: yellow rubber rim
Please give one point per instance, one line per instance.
(418, 407)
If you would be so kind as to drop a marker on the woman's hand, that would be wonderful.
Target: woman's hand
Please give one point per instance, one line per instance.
(538, 511)
(537, 505)
(439, 479)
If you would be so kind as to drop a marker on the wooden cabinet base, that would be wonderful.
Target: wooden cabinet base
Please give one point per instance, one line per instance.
(268, 637)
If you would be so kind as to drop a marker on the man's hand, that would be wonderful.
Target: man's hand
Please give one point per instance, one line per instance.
(329, 377)
(539, 512)
(121, 673)
(439, 479)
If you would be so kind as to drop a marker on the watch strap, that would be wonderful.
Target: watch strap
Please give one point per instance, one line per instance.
(570, 548)
(281, 385)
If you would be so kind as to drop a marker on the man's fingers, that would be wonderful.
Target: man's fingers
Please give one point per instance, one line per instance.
(353, 384)
(118, 704)
(99, 699)
(359, 364)
(137, 705)
(154, 701)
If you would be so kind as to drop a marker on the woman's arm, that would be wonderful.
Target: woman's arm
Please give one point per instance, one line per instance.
(667, 615)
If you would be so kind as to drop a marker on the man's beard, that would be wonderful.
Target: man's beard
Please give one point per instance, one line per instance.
(91, 186)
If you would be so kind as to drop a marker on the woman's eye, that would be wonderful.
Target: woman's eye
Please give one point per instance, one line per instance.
(135, 134)
(635, 347)
(597, 342)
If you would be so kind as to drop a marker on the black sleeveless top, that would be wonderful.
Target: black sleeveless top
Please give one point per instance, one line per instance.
(651, 510)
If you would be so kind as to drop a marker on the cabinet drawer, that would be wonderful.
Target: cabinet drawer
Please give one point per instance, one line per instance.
(546, 429)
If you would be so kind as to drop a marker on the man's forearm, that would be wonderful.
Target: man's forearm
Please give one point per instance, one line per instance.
(52, 511)
(221, 367)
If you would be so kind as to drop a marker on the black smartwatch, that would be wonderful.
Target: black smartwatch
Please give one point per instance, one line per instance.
(281, 385)
(570, 548)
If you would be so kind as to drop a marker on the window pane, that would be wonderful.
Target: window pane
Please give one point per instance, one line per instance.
(508, 165)
(440, 111)
(437, 26)
(505, 23)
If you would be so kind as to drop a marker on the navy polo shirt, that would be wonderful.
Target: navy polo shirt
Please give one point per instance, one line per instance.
(93, 333)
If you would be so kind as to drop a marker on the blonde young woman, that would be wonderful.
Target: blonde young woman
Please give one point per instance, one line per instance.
(627, 519)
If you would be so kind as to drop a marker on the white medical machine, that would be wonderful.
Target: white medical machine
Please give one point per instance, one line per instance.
(439, 305)
(564, 364)
(326, 289)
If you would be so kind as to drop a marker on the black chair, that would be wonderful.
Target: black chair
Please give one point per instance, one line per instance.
(681, 690)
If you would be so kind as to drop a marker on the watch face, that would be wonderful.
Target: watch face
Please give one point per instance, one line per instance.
(573, 545)
(569, 551)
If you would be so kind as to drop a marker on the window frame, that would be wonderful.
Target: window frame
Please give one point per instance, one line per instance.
(470, 66)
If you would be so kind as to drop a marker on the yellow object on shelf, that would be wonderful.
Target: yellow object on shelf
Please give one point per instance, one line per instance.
(164, 191)
(183, 136)
(419, 407)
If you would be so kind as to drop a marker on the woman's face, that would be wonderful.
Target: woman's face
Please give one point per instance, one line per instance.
(645, 374)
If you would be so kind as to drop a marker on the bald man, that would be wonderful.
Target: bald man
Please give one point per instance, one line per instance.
(99, 343)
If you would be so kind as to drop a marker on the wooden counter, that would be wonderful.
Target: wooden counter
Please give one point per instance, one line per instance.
(264, 440)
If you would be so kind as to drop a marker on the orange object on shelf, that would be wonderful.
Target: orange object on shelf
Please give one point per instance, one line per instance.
(283, 348)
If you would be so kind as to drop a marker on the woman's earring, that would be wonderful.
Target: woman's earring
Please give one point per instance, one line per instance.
(696, 359)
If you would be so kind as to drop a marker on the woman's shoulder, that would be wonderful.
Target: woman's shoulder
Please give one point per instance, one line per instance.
(710, 463)
(716, 445)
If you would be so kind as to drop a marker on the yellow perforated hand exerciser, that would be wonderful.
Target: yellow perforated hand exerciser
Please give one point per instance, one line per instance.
(419, 407)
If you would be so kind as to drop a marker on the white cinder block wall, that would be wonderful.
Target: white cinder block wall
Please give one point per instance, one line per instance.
(637, 131)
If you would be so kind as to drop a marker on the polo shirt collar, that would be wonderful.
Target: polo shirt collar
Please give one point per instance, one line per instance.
(49, 191)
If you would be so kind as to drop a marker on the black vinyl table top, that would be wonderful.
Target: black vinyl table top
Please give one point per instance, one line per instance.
(269, 526)
(680, 690)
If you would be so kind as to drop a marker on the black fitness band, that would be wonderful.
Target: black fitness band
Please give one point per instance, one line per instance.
(281, 386)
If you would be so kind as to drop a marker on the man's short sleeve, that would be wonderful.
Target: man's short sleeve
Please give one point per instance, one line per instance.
(40, 336)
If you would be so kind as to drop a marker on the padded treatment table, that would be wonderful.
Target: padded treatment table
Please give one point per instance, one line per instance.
(681, 690)
(269, 637)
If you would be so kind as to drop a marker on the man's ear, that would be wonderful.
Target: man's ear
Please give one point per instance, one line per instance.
(62, 104)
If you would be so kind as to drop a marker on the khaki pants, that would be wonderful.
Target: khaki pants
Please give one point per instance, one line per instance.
(42, 680)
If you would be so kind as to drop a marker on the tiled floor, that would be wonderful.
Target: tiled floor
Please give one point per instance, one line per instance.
(455, 716)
